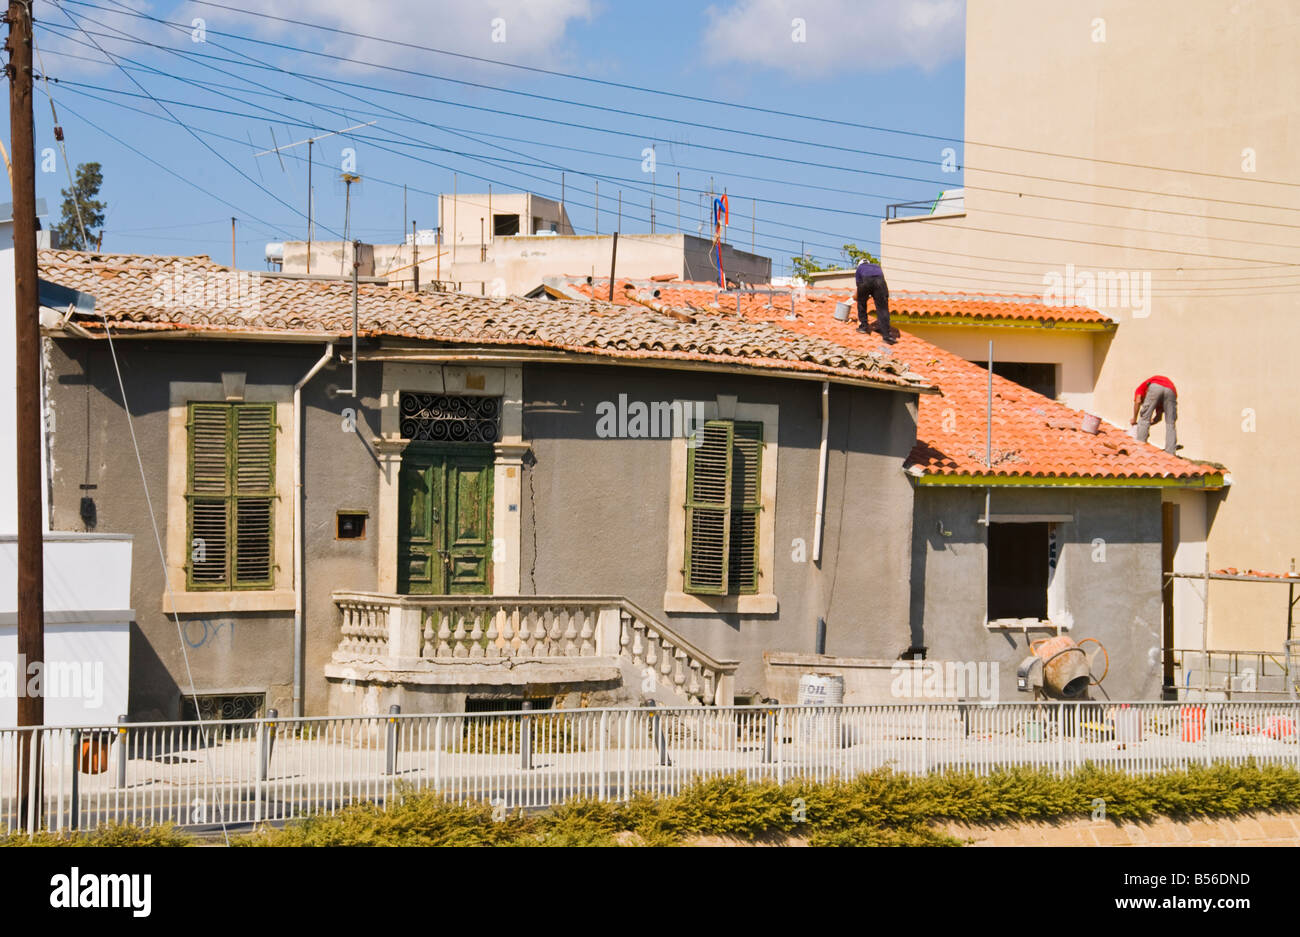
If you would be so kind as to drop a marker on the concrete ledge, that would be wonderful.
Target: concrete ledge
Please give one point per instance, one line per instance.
(866, 680)
(685, 602)
(251, 600)
(474, 671)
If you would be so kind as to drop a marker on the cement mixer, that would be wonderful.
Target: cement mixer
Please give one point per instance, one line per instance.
(1060, 669)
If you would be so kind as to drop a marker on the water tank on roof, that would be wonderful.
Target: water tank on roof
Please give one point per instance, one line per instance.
(275, 251)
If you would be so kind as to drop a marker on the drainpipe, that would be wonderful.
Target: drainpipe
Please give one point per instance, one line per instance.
(821, 474)
(299, 529)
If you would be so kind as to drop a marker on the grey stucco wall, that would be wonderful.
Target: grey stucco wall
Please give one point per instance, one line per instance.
(594, 511)
(1111, 589)
(597, 509)
(90, 444)
(698, 266)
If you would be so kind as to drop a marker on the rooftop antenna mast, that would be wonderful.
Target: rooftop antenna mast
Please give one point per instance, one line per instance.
(311, 142)
(348, 178)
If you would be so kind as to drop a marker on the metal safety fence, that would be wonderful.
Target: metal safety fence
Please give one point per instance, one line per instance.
(251, 771)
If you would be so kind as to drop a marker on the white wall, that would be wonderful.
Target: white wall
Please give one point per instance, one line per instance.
(87, 577)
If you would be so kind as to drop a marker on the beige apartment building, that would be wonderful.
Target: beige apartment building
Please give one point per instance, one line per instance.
(1148, 170)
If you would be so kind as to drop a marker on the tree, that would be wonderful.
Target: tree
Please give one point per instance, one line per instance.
(855, 254)
(68, 230)
(802, 266)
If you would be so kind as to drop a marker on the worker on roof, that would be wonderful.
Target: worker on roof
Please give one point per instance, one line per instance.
(1156, 397)
(871, 285)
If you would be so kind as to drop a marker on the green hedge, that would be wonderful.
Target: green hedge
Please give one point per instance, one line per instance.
(881, 808)
(112, 834)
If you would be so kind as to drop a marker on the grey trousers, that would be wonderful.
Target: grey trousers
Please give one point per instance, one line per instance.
(1168, 400)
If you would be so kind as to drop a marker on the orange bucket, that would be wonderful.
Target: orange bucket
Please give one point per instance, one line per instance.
(94, 756)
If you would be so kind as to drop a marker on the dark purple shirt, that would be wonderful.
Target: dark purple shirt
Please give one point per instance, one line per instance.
(867, 270)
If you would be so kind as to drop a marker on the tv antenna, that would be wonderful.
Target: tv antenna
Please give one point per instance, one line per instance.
(348, 179)
(311, 142)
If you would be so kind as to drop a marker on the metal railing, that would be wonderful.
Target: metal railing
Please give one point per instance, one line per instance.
(929, 206)
(246, 772)
(1245, 674)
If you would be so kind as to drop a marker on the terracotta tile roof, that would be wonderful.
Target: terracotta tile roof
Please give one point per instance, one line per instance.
(983, 306)
(902, 303)
(1033, 436)
(142, 293)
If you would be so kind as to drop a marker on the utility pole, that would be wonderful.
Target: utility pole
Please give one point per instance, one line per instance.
(27, 423)
(232, 243)
(597, 208)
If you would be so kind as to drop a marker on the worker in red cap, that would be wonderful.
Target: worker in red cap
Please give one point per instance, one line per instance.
(1156, 397)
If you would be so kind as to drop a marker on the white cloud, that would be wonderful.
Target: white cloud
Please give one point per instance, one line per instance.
(529, 32)
(68, 51)
(839, 36)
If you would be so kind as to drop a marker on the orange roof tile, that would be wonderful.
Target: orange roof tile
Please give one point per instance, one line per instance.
(1033, 436)
(902, 303)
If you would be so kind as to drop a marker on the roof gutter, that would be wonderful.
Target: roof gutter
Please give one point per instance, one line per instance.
(821, 474)
(299, 532)
(972, 480)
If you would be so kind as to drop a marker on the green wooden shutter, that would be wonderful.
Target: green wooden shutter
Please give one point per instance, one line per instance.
(746, 503)
(708, 514)
(231, 496)
(254, 480)
(208, 496)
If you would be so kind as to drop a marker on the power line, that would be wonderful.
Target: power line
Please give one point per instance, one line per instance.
(211, 149)
(244, 213)
(490, 160)
(806, 206)
(287, 47)
(781, 202)
(724, 103)
(930, 265)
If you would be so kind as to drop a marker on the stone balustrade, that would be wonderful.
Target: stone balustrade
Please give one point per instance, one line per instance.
(417, 634)
(365, 626)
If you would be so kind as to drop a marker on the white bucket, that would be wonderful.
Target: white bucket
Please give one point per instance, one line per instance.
(842, 311)
(1091, 423)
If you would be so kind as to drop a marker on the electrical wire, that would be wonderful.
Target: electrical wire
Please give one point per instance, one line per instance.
(790, 140)
(497, 161)
(181, 123)
(731, 104)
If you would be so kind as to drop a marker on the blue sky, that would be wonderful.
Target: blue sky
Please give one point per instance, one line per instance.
(885, 63)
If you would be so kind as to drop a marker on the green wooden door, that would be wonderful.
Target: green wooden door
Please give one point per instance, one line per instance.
(445, 521)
